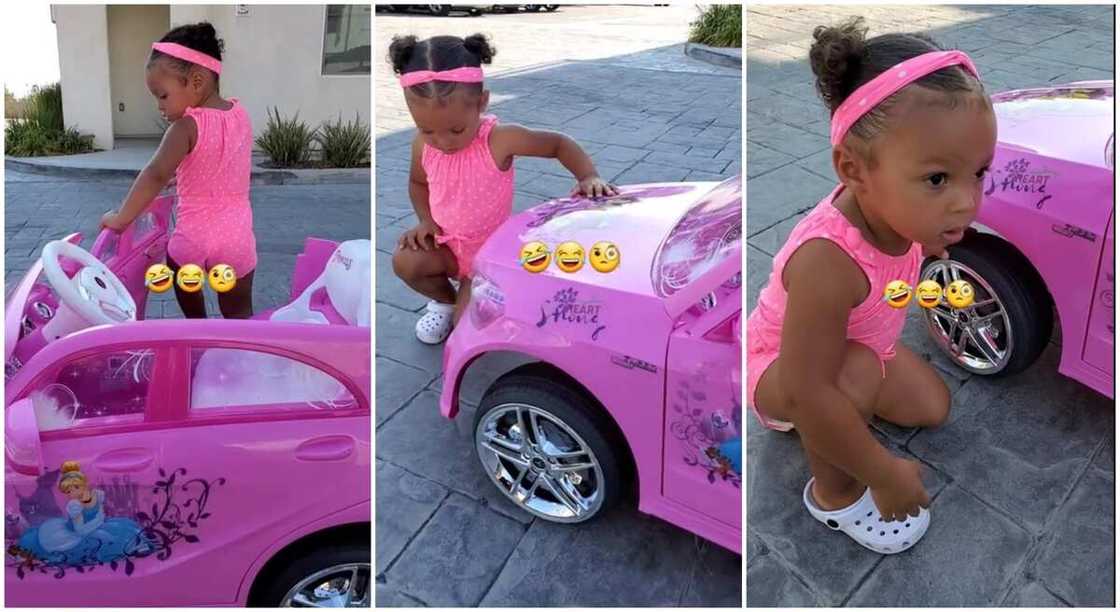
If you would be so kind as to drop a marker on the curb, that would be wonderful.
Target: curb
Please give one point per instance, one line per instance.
(714, 55)
(360, 176)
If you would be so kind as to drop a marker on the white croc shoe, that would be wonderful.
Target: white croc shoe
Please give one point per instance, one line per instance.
(863, 523)
(435, 325)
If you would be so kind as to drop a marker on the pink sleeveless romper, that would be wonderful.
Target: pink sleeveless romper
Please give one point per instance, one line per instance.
(873, 323)
(214, 221)
(468, 194)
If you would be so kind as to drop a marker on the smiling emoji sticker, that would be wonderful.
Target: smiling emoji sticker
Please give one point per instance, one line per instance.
(604, 256)
(534, 256)
(569, 257)
(959, 294)
(158, 278)
(929, 293)
(190, 278)
(222, 278)
(897, 294)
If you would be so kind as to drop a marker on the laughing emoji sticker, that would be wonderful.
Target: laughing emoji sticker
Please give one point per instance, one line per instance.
(929, 293)
(897, 294)
(534, 256)
(569, 257)
(190, 278)
(158, 278)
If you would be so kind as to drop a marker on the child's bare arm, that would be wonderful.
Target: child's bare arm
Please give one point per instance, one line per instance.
(174, 147)
(510, 140)
(418, 182)
(423, 235)
(823, 286)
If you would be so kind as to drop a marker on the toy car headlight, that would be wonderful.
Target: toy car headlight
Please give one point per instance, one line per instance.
(488, 302)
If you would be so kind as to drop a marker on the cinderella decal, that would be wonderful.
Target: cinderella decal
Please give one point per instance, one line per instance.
(85, 532)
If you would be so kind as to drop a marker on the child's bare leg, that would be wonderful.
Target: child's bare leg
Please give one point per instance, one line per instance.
(427, 272)
(913, 393)
(193, 305)
(860, 378)
(237, 303)
(462, 299)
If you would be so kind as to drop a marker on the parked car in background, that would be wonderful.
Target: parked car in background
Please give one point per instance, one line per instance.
(439, 10)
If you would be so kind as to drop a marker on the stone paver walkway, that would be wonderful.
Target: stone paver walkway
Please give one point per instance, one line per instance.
(1023, 473)
(615, 79)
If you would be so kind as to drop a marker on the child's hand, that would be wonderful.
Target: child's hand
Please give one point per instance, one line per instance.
(423, 236)
(904, 492)
(594, 187)
(112, 220)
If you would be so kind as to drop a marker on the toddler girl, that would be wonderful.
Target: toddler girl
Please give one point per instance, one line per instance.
(208, 150)
(461, 181)
(912, 135)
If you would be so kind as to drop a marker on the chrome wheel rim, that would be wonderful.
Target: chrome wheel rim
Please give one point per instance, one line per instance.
(540, 463)
(977, 338)
(340, 586)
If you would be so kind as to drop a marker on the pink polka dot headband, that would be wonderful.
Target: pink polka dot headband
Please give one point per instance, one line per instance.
(871, 93)
(465, 74)
(187, 54)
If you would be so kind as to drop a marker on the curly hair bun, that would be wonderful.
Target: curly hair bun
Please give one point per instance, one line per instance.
(199, 36)
(400, 52)
(479, 45)
(71, 466)
(837, 57)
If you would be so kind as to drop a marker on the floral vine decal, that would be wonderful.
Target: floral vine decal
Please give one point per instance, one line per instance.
(711, 440)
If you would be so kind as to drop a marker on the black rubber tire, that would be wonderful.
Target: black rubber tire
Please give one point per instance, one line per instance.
(533, 386)
(1020, 288)
(551, 7)
(276, 585)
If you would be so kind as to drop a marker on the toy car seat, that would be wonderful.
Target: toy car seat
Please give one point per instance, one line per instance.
(342, 288)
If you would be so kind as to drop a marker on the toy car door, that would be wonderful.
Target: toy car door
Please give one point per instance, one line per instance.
(143, 243)
(1100, 335)
(81, 520)
(703, 419)
(269, 443)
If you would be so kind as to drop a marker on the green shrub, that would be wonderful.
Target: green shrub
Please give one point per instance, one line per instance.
(287, 142)
(719, 25)
(70, 142)
(344, 145)
(11, 105)
(43, 107)
(23, 138)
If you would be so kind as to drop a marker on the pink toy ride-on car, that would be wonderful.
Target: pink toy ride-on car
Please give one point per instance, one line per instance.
(634, 373)
(1042, 243)
(185, 462)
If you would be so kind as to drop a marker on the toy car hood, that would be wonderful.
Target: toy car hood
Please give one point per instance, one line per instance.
(667, 234)
(1073, 122)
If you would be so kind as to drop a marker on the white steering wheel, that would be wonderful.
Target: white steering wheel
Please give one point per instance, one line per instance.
(94, 293)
